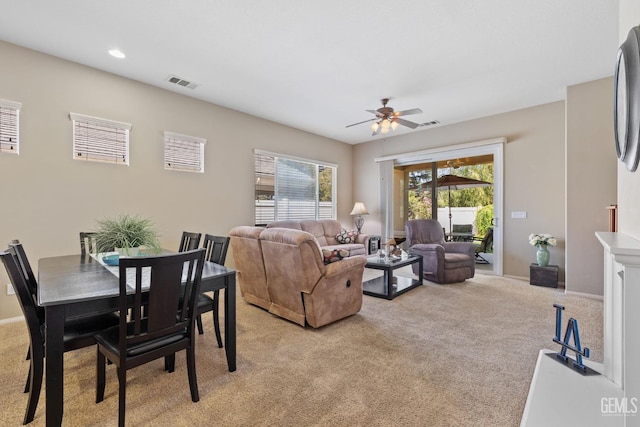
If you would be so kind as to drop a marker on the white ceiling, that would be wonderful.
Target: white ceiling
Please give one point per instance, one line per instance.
(318, 65)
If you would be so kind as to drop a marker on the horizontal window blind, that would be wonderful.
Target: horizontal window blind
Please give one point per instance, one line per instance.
(9, 126)
(100, 140)
(292, 189)
(183, 153)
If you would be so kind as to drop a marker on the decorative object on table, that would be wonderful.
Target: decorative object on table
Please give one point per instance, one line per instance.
(111, 259)
(572, 331)
(541, 241)
(126, 234)
(359, 209)
(391, 248)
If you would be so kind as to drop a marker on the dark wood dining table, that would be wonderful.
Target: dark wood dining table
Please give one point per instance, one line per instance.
(75, 285)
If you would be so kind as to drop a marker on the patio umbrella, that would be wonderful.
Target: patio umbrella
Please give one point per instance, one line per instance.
(455, 182)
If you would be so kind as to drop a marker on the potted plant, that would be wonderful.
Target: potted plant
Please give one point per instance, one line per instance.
(126, 234)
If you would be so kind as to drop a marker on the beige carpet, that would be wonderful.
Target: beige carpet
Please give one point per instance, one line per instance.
(439, 355)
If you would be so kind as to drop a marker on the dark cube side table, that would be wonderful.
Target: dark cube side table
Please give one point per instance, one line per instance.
(543, 276)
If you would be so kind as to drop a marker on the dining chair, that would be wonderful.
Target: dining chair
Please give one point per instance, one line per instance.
(172, 283)
(216, 251)
(78, 333)
(88, 242)
(189, 241)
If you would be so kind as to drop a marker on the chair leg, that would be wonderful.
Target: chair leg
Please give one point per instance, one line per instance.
(122, 394)
(170, 363)
(100, 377)
(199, 324)
(216, 316)
(191, 370)
(28, 384)
(36, 372)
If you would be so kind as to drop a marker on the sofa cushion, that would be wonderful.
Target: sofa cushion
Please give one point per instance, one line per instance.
(347, 236)
(333, 255)
(352, 249)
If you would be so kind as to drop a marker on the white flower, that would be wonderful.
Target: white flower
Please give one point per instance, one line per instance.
(542, 239)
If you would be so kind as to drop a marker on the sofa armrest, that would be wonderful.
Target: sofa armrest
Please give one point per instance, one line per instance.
(425, 248)
(340, 267)
(364, 239)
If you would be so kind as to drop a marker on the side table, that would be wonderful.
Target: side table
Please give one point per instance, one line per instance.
(543, 276)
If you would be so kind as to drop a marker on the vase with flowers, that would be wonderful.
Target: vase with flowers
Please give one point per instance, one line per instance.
(541, 241)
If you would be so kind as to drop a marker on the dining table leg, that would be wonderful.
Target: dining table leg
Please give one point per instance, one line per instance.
(54, 358)
(230, 321)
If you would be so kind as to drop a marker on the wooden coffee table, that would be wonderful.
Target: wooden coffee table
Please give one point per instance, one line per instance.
(389, 286)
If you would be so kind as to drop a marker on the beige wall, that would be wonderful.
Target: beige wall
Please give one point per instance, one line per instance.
(590, 181)
(47, 197)
(628, 182)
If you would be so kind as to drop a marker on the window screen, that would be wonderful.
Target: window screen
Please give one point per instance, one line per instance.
(289, 188)
(100, 140)
(9, 126)
(183, 153)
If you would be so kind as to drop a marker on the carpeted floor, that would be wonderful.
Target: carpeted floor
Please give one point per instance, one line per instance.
(439, 355)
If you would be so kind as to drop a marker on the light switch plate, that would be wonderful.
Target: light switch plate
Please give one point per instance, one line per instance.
(519, 215)
(10, 290)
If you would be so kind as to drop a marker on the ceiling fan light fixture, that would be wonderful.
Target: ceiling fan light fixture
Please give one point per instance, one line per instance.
(385, 125)
(375, 126)
(394, 125)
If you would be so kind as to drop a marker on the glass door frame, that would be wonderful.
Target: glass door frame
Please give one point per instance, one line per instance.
(493, 146)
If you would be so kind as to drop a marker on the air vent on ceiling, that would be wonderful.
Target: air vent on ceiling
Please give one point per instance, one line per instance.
(181, 82)
(431, 123)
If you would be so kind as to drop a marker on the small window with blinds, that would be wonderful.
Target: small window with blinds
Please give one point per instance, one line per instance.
(9, 126)
(289, 188)
(183, 152)
(100, 140)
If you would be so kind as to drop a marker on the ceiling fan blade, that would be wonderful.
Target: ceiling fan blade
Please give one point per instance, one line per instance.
(359, 123)
(406, 123)
(377, 131)
(408, 112)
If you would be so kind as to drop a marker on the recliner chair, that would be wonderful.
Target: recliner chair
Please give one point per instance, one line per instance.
(444, 262)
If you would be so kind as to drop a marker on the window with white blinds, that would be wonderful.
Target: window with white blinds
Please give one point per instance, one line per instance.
(290, 188)
(183, 152)
(9, 126)
(100, 140)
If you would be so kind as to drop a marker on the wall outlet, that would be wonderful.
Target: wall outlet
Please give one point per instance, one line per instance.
(10, 290)
(519, 215)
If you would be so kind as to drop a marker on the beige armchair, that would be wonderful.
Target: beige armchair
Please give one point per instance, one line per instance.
(302, 288)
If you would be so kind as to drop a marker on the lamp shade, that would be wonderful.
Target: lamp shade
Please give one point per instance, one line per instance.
(359, 209)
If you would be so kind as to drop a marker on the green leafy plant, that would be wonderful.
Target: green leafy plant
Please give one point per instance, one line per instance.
(484, 219)
(126, 231)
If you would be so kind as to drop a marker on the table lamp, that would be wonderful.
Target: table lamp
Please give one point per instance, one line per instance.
(359, 209)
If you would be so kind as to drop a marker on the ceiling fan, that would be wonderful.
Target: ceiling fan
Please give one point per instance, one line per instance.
(387, 119)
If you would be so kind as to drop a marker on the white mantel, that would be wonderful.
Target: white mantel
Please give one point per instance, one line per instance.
(560, 396)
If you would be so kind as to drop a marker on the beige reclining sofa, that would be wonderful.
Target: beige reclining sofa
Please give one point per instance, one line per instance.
(283, 271)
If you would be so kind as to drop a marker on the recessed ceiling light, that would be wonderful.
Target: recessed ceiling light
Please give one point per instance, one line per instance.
(117, 54)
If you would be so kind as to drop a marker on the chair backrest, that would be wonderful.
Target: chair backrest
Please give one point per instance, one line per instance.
(216, 248)
(17, 250)
(166, 286)
(462, 228)
(27, 304)
(189, 241)
(487, 240)
(88, 242)
(423, 231)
